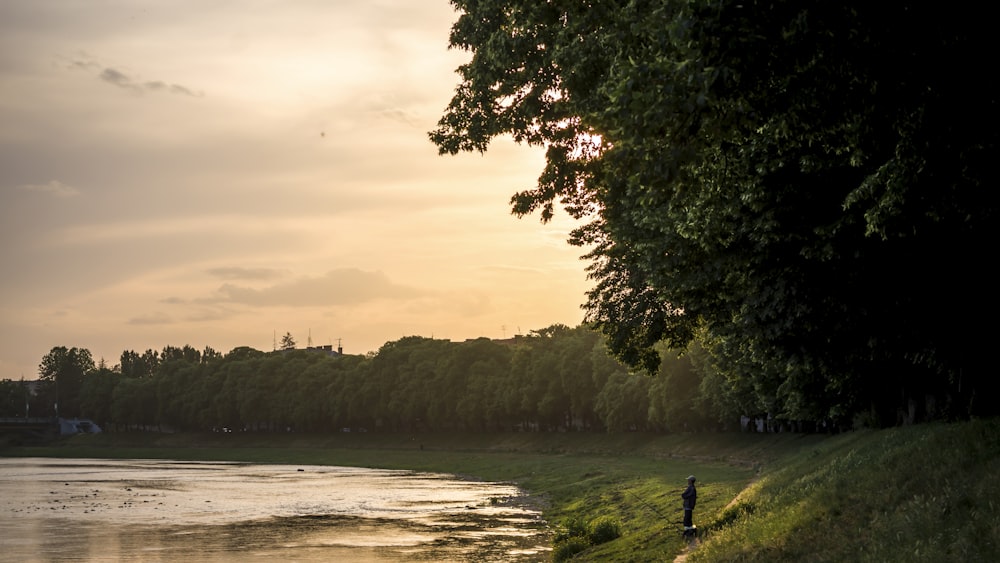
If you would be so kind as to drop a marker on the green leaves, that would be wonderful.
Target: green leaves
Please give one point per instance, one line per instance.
(775, 174)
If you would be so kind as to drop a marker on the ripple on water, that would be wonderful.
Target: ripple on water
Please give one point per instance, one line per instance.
(229, 511)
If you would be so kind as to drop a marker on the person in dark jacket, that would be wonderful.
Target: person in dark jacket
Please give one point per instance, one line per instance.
(690, 496)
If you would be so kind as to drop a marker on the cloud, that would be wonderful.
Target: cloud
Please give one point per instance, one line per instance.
(187, 310)
(54, 188)
(210, 315)
(171, 88)
(151, 319)
(118, 79)
(347, 286)
(124, 81)
(236, 273)
(216, 225)
(82, 64)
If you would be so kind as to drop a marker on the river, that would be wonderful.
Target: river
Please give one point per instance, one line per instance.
(154, 510)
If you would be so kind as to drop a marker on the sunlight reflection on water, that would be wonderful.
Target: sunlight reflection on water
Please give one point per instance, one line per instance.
(143, 510)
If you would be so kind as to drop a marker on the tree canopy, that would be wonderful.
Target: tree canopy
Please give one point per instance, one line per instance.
(804, 188)
(65, 368)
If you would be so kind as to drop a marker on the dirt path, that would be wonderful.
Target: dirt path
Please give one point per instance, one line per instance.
(691, 546)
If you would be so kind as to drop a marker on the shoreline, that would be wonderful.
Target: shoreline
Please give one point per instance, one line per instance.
(568, 476)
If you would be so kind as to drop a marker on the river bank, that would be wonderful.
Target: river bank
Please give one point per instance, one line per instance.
(572, 477)
(918, 493)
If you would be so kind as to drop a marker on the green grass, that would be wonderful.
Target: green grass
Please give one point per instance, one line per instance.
(922, 493)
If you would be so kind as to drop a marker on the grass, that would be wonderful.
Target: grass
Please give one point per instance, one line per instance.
(922, 493)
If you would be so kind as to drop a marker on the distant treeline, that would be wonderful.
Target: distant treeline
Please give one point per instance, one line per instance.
(554, 379)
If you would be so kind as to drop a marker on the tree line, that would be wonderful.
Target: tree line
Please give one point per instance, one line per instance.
(554, 379)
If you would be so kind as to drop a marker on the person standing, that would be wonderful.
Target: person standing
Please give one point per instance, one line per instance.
(690, 496)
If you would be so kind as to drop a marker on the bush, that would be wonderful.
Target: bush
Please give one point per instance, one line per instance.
(574, 536)
(569, 547)
(571, 528)
(604, 529)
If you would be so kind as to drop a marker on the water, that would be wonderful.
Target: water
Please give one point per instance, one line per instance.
(142, 510)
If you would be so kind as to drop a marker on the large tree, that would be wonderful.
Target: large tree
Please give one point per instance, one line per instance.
(805, 186)
(65, 368)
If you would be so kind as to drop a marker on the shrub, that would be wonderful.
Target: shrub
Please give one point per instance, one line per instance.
(604, 529)
(571, 528)
(569, 547)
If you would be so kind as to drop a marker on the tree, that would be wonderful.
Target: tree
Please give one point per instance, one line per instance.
(244, 353)
(185, 354)
(808, 185)
(132, 364)
(674, 397)
(66, 368)
(287, 342)
(623, 403)
(13, 398)
(210, 355)
(97, 394)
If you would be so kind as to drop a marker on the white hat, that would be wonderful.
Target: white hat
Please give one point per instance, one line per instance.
(690, 477)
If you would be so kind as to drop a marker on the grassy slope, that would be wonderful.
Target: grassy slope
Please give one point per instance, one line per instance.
(923, 493)
(920, 493)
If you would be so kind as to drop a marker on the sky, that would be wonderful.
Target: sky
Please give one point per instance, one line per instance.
(221, 173)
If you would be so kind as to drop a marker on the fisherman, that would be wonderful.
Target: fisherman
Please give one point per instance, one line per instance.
(690, 496)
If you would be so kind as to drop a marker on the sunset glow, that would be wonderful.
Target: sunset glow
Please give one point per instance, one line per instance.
(185, 173)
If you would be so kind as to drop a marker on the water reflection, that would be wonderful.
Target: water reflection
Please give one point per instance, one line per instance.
(166, 511)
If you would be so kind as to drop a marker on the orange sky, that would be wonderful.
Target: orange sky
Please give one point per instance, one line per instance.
(214, 173)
